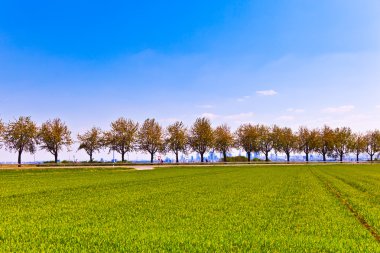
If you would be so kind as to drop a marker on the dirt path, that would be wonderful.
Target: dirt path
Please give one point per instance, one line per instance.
(142, 167)
(153, 166)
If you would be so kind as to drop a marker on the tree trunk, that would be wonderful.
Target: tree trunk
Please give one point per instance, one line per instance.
(176, 157)
(201, 157)
(371, 155)
(341, 157)
(19, 158)
(224, 156)
(307, 156)
(151, 157)
(56, 157)
(357, 157)
(122, 156)
(249, 156)
(324, 157)
(266, 157)
(287, 156)
(91, 160)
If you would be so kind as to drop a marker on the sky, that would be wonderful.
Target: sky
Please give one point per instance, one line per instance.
(285, 62)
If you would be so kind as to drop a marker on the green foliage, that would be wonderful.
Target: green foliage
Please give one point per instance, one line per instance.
(240, 159)
(52, 162)
(121, 162)
(47, 162)
(236, 159)
(189, 209)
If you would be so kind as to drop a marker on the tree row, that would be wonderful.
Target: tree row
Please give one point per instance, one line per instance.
(125, 135)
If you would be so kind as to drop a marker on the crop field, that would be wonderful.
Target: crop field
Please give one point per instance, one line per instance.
(334, 208)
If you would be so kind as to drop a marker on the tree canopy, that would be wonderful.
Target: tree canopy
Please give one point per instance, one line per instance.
(2, 128)
(223, 140)
(373, 143)
(21, 136)
(307, 140)
(176, 139)
(122, 137)
(284, 140)
(151, 138)
(342, 141)
(247, 137)
(53, 136)
(91, 141)
(125, 135)
(201, 137)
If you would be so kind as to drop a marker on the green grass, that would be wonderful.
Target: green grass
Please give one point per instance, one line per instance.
(198, 209)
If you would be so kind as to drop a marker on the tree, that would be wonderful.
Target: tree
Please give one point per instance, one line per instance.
(21, 136)
(176, 138)
(307, 140)
(2, 128)
(284, 140)
(373, 143)
(53, 136)
(358, 145)
(122, 137)
(91, 141)
(342, 141)
(325, 142)
(223, 140)
(151, 138)
(265, 140)
(201, 136)
(247, 138)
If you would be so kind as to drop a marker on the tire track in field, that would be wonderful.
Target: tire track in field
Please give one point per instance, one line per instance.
(355, 186)
(335, 192)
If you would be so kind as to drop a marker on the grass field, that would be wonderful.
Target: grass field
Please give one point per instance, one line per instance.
(195, 209)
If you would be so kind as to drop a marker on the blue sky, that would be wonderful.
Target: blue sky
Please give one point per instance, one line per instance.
(290, 62)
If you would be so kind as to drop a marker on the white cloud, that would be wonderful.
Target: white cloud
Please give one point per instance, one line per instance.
(239, 116)
(358, 122)
(206, 106)
(266, 92)
(242, 99)
(340, 109)
(210, 116)
(286, 118)
(169, 120)
(295, 110)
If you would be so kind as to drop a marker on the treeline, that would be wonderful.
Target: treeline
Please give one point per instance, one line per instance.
(125, 135)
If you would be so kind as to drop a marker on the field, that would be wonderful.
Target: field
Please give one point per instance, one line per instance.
(333, 208)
